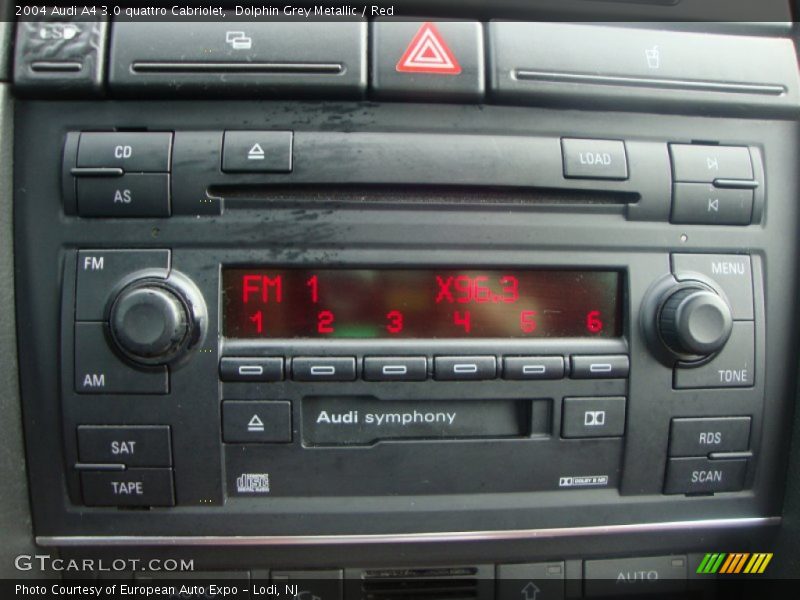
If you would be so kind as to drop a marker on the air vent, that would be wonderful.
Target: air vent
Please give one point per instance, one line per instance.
(442, 583)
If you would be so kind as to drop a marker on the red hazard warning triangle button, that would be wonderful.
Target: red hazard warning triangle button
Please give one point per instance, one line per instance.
(428, 53)
(437, 60)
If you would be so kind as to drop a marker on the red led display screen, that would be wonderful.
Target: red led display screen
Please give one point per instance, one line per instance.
(420, 303)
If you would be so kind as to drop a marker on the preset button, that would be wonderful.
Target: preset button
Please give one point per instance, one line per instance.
(533, 367)
(455, 368)
(251, 368)
(334, 368)
(600, 367)
(395, 368)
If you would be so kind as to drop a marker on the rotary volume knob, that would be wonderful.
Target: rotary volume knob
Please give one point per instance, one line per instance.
(155, 323)
(695, 322)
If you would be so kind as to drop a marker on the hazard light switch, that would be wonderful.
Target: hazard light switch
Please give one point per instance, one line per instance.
(440, 60)
(257, 152)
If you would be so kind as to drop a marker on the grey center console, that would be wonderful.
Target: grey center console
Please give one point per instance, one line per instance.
(418, 283)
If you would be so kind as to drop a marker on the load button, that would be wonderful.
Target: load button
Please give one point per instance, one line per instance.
(594, 159)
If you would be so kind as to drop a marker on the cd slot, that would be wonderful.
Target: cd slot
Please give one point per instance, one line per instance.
(250, 197)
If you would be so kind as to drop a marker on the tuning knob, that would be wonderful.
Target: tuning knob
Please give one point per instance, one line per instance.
(694, 322)
(155, 322)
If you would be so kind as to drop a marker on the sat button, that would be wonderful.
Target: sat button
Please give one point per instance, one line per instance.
(133, 446)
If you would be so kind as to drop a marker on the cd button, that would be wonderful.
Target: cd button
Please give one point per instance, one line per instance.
(132, 151)
(395, 368)
(533, 367)
(324, 369)
(251, 368)
(454, 368)
(600, 367)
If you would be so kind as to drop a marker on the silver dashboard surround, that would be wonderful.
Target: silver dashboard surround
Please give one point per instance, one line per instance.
(407, 538)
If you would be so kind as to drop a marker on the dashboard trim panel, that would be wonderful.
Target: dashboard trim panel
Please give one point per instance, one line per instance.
(400, 538)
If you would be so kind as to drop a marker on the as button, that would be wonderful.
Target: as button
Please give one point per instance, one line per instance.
(137, 195)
